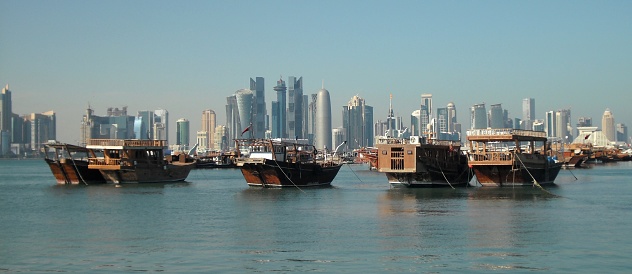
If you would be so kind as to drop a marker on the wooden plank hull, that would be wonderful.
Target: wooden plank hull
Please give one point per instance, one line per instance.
(77, 172)
(507, 175)
(281, 174)
(176, 172)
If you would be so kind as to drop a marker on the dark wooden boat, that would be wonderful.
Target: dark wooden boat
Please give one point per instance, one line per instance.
(137, 161)
(69, 164)
(502, 157)
(282, 163)
(416, 163)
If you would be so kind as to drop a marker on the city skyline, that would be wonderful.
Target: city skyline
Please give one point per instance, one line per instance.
(468, 53)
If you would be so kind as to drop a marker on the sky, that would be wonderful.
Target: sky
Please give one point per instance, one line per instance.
(188, 56)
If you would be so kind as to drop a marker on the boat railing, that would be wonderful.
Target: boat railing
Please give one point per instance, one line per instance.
(104, 162)
(491, 157)
(505, 131)
(127, 142)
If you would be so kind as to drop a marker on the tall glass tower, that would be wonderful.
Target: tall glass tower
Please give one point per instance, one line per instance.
(279, 112)
(295, 108)
(258, 108)
(182, 132)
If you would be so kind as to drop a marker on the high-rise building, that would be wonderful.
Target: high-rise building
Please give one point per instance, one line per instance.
(478, 116)
(528, 113)
(311, 119)
(116, 125)
(244, 106)
(295, 108)
(424, 120)
(562, 123)
(622, 133)
(338, 137)
(182, 133)
(279, 111)
(357, 119)
(550, 123)
(6, 109)
(40, 128)
(143, 125)
(442, 120)
(496, 116)
(322, 135)
(306, 118)
(160, 129)
(232, 120)
(221, 138)
(451, 117)
(426, 100)
(259, 111)
(208, 126)
(415, 122)
(607, 125)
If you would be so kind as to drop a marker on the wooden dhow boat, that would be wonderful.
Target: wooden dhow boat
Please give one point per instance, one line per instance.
(501, 157)
(414, 162)
(285, 162)
(137, 161)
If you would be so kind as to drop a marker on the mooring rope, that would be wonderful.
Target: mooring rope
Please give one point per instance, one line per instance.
(352, 171)
(277, 164)
(442, 173)
(535, 182)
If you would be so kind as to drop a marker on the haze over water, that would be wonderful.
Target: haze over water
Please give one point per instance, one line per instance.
(216, 223)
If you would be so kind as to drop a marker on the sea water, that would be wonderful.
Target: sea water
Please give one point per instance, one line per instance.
(215, 223)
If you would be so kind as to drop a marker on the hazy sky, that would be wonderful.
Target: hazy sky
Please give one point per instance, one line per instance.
(188, 56)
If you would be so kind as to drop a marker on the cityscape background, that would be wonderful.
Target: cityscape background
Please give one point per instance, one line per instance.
(66, 56)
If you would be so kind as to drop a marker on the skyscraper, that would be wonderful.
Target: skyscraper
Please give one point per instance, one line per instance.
(244, 106)
(562, 123)
(442, 120)
(182, 133)
(232, 120)
(496, 116)
(451, 117)
(607, 125)
(311, 119)
(143, 125)
(322, 135)
(357, 120)
(208, 126)
(414, 122)
(426, 100)
(295, 108)
(478, 116)
(161, 125)
(40, 128)
(622, 133)
(6, 110)
(528, 113)
(550, 124)
(279, 111)
(259, 107)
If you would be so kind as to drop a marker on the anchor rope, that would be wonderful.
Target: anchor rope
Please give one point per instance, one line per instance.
(535, 182)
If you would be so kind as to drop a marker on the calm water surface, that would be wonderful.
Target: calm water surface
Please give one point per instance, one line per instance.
(215, 223)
